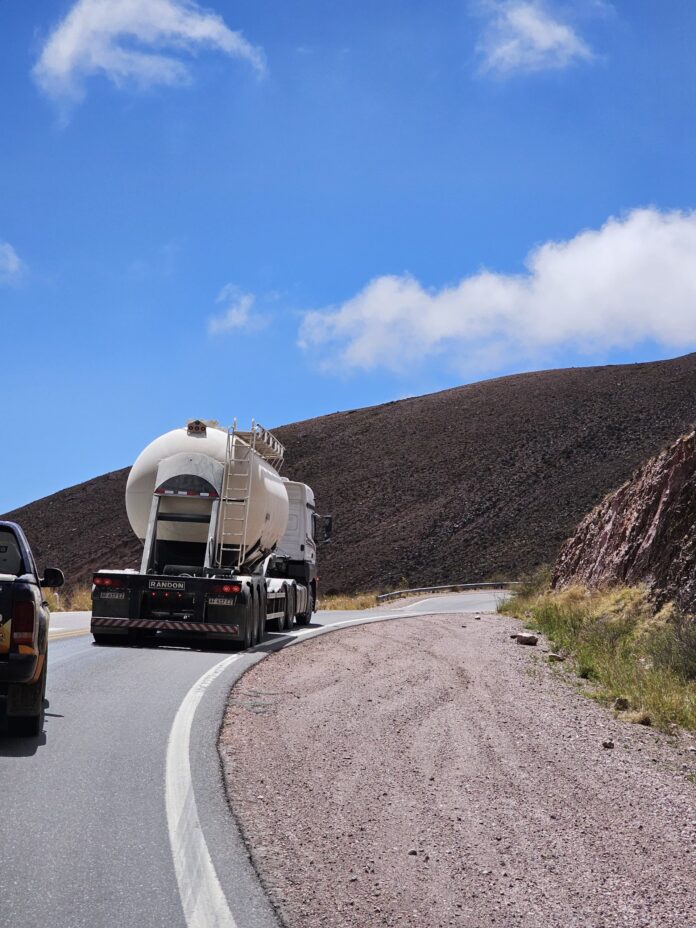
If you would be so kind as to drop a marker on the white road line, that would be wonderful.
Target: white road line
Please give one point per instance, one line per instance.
(322, 630)
(420, 602)
(202, 897)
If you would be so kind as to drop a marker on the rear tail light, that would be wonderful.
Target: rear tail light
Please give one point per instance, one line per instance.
(228, 588)
(106, 582)
(23, 619)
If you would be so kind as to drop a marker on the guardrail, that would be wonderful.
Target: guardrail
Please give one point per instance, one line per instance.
(451, 587)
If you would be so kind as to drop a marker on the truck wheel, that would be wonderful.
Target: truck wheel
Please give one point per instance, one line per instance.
(29, 726)
(253, 624)
(101, 638)
(263, 609)
(304, 618)
(277, 625)
(289, 610)
(144, 639)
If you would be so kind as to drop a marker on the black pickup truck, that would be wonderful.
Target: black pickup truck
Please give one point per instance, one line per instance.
(24, 618)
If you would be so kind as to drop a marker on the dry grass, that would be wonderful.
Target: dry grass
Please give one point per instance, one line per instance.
(79, 599)
(70, 599)
(345, 601)
(618, 641)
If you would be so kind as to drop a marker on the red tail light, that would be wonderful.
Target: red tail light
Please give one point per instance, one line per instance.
(98, 580)
(228, 588)
(23, 618)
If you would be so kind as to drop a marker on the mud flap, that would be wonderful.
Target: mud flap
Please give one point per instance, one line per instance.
(25, 698)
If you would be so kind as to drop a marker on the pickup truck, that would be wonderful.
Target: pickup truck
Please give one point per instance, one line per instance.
(24, 618)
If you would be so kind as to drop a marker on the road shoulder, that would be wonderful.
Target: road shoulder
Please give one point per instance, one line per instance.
(430, 771)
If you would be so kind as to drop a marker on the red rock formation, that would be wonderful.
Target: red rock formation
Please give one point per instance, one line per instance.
(644, 532)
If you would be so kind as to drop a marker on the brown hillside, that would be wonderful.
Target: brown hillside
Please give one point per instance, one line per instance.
(644, 532)
(479, 481)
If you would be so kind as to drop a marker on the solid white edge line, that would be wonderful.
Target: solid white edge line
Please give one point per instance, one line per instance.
(202, 897)
(419, 602)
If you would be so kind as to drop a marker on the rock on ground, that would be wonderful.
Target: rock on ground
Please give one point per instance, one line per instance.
(345, 755)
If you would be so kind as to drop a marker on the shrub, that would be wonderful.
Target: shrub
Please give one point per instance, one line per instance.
(617, 640)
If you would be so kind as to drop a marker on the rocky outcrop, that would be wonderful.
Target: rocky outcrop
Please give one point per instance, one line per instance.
(645, 532)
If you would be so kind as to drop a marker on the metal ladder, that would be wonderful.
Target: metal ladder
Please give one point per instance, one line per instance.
(236, 493)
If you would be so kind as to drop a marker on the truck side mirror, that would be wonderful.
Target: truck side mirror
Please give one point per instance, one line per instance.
(328, 528)
(52, 578)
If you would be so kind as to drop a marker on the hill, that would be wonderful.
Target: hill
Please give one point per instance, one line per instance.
(474, 482)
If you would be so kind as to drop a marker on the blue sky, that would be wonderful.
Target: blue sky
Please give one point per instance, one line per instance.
(282, 210)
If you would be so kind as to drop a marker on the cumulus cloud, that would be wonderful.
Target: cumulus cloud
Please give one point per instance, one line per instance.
(132, 41)
(632, 280)
(11, 265)
(237, 314)
(524, 36)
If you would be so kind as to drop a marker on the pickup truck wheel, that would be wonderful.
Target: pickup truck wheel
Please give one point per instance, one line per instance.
(29, 726)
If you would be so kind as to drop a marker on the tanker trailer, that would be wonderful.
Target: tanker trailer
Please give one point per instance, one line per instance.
(228, 544)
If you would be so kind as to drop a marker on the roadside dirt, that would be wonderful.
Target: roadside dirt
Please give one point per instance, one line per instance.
(431, 772)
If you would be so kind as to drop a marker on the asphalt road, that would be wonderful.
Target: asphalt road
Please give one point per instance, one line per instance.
(116, 814)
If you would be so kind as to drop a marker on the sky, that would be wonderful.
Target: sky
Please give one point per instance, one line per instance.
(248, 208)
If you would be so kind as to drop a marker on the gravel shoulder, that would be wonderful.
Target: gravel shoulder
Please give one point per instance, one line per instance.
(431, 772)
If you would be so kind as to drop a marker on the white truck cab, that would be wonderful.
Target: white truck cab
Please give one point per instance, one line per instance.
(299, 541)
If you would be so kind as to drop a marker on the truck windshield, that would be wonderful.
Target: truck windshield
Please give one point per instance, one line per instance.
(10, 555)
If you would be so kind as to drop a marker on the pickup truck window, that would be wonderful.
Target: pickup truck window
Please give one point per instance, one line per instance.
(10, 554)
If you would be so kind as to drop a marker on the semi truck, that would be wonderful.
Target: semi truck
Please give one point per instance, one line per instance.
(229, 546)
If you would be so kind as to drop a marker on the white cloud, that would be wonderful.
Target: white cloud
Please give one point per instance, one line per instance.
(138, 41)
(237, 313)
(524, 36)
(11, 265)
(630, 281)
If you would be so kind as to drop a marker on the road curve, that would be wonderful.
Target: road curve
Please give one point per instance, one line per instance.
(89, 836)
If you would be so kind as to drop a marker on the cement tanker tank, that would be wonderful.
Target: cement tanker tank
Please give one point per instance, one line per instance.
(163, 468)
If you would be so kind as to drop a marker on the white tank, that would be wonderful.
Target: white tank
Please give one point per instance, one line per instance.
(268, 502)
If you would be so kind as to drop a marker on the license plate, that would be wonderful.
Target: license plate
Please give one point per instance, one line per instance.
(112, 594)
(220, 601)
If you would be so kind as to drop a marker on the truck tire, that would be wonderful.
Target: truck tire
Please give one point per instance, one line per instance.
(144, 639)
(304, 618)
(277, 625)
(30, 726)
(263, 608)
(101, 638)
(251, 636)
(290, 609)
